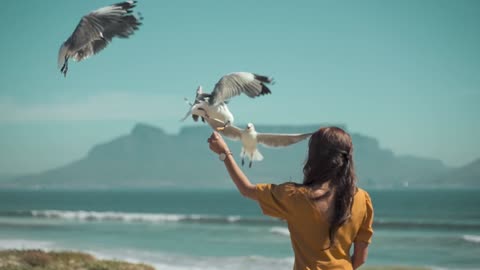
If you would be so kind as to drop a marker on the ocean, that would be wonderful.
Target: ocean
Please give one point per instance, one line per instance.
(219, 229)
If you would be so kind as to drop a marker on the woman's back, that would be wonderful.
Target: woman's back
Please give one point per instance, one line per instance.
(327, 213)
(308, 224)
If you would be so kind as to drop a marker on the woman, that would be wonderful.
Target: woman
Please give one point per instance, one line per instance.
(327, 214)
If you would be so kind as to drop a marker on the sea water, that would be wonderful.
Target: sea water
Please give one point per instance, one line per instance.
(219, 229)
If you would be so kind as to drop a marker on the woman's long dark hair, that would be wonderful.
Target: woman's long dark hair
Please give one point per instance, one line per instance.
(330, 158)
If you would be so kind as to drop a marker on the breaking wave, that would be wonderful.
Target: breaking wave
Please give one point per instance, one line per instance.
(471, 238)
(220, 219)
(136, 217)
(280, 231)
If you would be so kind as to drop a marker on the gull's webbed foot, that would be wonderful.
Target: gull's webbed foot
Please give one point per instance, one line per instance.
(250, 164)
(243, 161)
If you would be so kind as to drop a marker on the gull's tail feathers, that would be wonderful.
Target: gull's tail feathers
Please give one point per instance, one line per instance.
(256, 156)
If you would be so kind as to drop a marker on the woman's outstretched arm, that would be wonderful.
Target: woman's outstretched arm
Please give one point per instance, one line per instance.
(218, 146)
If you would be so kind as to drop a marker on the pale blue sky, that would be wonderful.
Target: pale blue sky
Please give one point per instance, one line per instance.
(405, 72)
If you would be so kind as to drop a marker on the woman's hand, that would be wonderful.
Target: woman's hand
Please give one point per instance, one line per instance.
(217, 144)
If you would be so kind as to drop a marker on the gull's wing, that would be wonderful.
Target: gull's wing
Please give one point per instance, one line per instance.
(230, 131)
(234, 84)
(187, 114)
(280, 140)
(190, 110)
(96, 29)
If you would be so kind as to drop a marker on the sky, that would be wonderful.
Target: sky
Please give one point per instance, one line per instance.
(404, 72)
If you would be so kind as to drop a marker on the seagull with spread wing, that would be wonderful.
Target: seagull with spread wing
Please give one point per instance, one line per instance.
(214, 104)
(250, 138)
(95, 30)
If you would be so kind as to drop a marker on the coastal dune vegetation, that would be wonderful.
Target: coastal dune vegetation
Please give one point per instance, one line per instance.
(65, 260)
(72, 260)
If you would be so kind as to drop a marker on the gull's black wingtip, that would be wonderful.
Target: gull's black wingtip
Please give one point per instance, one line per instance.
(265, 90)
(127, 5)
(264, 80)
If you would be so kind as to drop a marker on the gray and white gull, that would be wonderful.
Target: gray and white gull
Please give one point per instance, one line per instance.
(250, 138)
(214, 104)
(95, 30)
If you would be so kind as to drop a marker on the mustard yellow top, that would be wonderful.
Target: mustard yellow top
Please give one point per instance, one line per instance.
(309, 229)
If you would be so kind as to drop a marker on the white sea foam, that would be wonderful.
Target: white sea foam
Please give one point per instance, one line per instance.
(280, 231)
(25, 244)
(234, 218)
(93, 215)
(164, 261)
(131, 217)
(471, 238)
(450, 268)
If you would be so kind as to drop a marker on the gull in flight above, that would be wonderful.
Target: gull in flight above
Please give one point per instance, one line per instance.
(214, 104)
(250, 138)
(95, 30)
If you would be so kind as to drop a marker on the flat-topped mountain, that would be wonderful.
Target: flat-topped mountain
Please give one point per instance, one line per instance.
(148, 157)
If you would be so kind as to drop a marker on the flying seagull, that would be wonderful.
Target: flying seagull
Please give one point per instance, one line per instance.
(214, 104)
(250, 138)
(95, 30)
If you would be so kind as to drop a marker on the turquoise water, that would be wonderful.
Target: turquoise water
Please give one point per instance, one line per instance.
(180, 229)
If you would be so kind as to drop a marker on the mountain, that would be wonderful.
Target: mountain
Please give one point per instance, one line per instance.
(468, 175)
(148, 157)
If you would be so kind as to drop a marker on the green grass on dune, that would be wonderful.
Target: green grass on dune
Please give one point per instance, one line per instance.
(41, 260)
